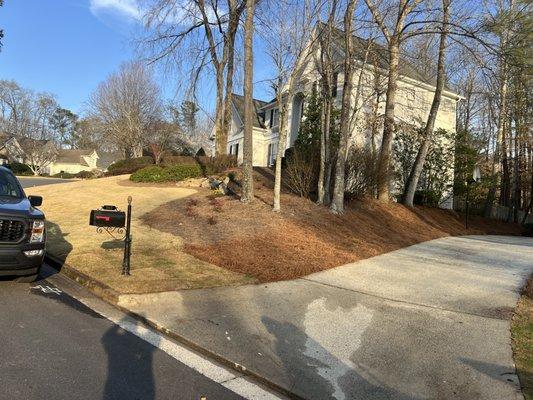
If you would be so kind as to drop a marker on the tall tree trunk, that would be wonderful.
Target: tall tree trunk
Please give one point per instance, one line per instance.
(327, 67)
(282, 142)
(220, 141)
(219, 64)
(530, 206)
(502, 117)
(383, 178)
(248, 179)
(416, 170)
(226, 119)
(337, 202)
(500, 137)
(505, 189)
(323, 190)
(230, 70)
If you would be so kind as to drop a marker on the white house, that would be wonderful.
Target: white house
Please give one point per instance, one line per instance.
(414, 97)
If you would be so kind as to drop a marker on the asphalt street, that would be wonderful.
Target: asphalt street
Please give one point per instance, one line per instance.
(30, 181)
(54, 347)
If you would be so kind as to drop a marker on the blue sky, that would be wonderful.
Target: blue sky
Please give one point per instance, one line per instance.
(61, 46)
(66, 47)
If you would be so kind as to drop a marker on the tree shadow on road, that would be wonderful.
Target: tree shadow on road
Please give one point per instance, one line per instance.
(129, 365)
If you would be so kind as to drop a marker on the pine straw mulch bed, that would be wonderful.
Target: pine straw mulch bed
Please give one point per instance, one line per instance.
(304, 237)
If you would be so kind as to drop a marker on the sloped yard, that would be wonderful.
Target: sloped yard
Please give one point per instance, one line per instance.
(303, 238)
(186, 238)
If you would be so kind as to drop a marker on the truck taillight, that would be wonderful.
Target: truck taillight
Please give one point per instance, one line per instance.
(37, 231)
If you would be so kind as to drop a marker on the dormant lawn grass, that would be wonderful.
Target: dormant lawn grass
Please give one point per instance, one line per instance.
(158, 262)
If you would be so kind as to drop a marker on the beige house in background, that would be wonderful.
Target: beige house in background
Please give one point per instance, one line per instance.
(73, 161)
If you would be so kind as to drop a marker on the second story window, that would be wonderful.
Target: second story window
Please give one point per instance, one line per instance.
(274, 118)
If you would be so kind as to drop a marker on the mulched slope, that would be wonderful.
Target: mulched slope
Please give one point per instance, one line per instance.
(303, 238)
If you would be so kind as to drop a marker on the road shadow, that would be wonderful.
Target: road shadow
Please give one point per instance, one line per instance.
(129, 365)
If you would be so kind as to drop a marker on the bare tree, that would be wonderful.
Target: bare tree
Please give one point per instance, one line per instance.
(289, 41)
(18, 108)
(162, 136)
(326, 67)
(248, 179)
(207, 29)
(26, 118)
(337, 202)
(38, 154)
(500, 153)
(416, 171)
(125, 105)
(393, 35)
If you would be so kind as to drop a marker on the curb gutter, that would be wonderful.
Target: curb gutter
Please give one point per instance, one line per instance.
(112, 297)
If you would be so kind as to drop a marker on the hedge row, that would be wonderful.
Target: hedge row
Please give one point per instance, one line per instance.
(174, 173)
(80, 175)
(20, 168)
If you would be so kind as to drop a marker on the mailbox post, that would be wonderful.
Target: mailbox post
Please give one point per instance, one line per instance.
(110, 219)
(127, 242)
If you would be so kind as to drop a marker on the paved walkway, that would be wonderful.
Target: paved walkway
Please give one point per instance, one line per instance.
(426, 322)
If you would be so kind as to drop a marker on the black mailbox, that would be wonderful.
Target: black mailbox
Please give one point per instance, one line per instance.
(108, 218)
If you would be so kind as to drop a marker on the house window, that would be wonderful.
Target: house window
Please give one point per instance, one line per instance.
(410, 96)
(272, 152)
(334, 84)
(274, 118)
(236, 150)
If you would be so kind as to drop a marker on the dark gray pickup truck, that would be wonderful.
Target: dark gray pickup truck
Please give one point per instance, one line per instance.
(22, 231)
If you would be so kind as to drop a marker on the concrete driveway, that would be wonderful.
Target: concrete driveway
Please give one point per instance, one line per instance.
(430, 321)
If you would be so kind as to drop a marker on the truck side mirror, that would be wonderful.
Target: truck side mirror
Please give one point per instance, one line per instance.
(35, 201)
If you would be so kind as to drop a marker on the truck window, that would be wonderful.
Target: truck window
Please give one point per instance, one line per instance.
(9, 186)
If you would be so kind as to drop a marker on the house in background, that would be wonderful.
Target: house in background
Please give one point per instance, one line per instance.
(236, 133)
(414, 97)
(73, 161)
(10, 150)
(413, 101)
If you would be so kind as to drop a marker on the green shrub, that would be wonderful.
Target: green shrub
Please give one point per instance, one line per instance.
(182, 172)
(174, 173)
(64, 175)
(20, 169)
(86, 175)
(129, 166)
